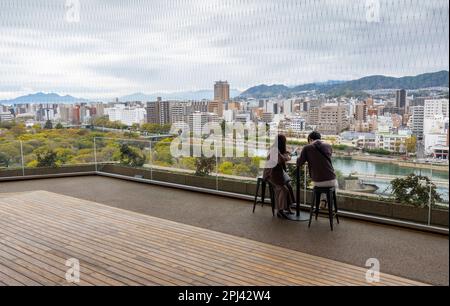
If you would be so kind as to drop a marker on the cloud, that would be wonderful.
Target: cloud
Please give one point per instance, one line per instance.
(119, 47)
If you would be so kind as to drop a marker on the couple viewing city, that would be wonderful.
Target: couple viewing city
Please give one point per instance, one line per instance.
(318, 156)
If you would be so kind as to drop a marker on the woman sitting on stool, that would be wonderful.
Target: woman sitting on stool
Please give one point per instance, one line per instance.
(276, 174)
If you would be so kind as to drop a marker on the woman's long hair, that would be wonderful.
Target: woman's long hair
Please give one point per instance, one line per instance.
(282, 143)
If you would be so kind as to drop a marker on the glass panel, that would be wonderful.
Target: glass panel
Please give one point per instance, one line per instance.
(10, 159)
(129, 157)
(58, 152)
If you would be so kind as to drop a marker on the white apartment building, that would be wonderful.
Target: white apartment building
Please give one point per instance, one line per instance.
(297, 124)
(392, 142)
(288, 107)
(125, 115)
(435, 124)
(197, 121)
(229, 115)
(243, 118)
(435, 107)
(6, 116)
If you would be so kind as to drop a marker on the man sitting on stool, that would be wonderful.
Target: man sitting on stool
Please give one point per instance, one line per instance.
(318, 155)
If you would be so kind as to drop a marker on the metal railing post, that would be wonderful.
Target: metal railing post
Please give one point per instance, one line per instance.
(429, 198)
(22, 158)
(95, 154)
(217, 168)
(151, 161)
(305, 184)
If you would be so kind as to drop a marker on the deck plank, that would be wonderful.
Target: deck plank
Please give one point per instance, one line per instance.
(119, 247)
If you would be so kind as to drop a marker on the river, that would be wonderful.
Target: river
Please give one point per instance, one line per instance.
(347, 166)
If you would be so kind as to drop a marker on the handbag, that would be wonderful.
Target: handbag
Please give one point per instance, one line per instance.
(286, 177)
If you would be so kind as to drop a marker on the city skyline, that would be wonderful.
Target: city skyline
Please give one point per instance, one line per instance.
(174, 46)
(204, 94)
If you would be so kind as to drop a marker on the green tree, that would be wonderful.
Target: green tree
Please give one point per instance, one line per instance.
(59, 126)
(414, 190)
(130, 156)
(18, 129)
(9, 153)
(48, 125)
(162, 153)
(5, 160)
(47, 158)
(204, 165)
(187, 163)
(243, 170)
(411, 144)
(135, 127)
(226, 167)
(152, 128)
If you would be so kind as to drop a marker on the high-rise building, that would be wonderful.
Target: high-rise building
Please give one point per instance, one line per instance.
(216, 107)
(416, 121)
(297, 124)
(164, 112)
(332, 119)
(221, 98)
(197, 121)
(313, 116)
(179, 112)
(436, 107)
(222, 91)
(65, 113)
(400, 99)
(76, 114)
(267, 117)
(361, 112)
(152, 111)
(158, 112)
(200, 106)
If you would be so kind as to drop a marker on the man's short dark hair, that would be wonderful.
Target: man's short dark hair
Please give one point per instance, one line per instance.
(314, 136)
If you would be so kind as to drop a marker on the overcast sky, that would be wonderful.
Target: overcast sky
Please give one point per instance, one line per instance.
(118, 47)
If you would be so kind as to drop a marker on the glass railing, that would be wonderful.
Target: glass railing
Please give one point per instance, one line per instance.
(365, 192)
(45, 156)
(369, 194)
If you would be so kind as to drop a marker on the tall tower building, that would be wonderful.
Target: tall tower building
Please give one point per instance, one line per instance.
(417, 120)
(222, 91)
(400, 99)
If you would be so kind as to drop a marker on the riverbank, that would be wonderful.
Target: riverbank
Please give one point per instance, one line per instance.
(400, 163)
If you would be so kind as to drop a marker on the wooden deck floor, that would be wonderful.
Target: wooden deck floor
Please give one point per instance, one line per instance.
(40, 230)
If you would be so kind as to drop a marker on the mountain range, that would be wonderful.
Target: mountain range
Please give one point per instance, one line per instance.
(331, 88)
(340, 88)
(41, 97)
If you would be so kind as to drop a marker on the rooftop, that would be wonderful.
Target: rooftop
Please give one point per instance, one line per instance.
(162, 235)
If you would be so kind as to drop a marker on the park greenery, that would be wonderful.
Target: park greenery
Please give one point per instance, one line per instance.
(48, 146)
(55, 146)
